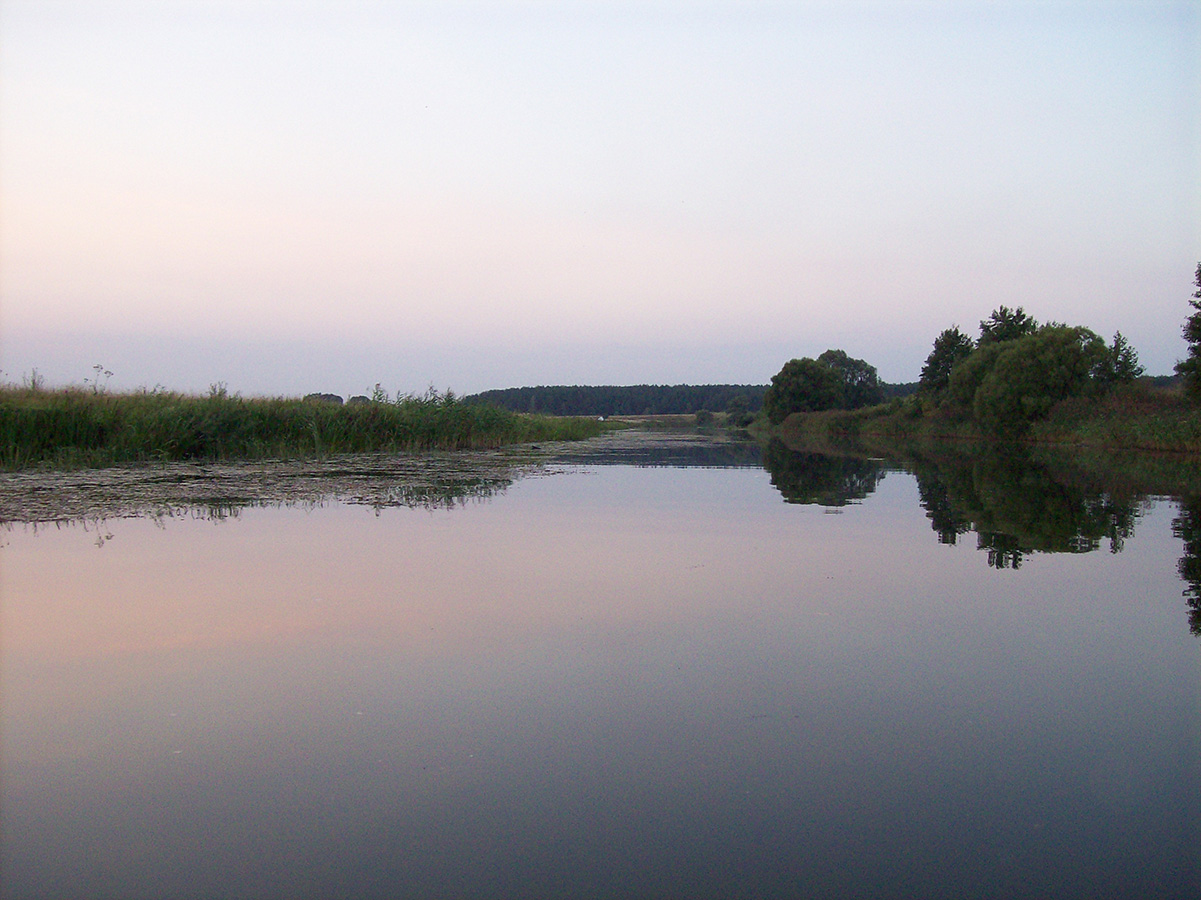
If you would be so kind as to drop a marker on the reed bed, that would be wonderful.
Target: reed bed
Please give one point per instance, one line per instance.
(74, 427)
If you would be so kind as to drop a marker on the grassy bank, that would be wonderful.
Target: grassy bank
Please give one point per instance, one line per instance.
(76, 428)
(1136, 418)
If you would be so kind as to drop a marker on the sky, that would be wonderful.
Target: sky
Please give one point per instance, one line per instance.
(286, 197)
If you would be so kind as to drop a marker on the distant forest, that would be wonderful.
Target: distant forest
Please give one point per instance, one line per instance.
(639, 399)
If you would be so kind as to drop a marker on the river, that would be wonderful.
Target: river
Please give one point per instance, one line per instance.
(661, 667)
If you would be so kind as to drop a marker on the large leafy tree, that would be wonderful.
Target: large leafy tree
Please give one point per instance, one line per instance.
(949, 348)
(803, 385)
(860, 383)
(1190, 368)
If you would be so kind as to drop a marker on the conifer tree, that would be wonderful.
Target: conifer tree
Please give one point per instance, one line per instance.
(1190, 369)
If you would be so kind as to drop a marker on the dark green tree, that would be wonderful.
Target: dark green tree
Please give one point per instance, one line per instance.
(949, 348)
(1119, 365)
(860, 383)
(1190, 369)
(1006, 324)
(803, 385)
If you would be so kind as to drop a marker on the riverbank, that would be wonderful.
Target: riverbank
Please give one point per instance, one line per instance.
(1138, 440)
(1136, 418)
(74, 428)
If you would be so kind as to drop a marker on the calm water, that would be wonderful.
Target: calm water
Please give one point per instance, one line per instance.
(613, 681)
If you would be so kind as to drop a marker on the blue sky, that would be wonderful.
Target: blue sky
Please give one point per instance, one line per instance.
(290, 197)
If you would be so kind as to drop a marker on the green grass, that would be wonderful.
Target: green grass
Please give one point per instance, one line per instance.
(73, 428)
(1131, 419)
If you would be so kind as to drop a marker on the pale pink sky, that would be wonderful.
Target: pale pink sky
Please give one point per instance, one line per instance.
(319, 196)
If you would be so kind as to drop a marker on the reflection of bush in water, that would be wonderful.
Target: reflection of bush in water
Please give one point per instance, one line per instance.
(1017, 507)
(1187, 527)
(815, 478)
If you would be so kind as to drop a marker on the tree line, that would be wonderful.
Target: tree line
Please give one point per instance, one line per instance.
(739, 401)
(1013, 373)
(631, 400)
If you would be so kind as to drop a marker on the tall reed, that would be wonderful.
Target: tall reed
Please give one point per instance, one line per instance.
(74, 427)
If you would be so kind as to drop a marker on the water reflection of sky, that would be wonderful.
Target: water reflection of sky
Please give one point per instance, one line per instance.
(615, 680)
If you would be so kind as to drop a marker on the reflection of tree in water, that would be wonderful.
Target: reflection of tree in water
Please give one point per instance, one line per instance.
(1016, 507)
(816, 478)
(935, 495)
(1004, 551)
(1187, 527)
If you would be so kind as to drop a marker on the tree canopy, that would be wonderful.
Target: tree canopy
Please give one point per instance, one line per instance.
(860, 383)
(949, 348)
(1120, 365)
(1033, 373)
(1006, 324)
(1018, 370)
